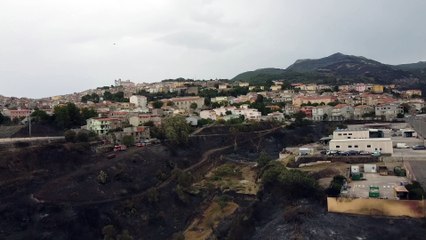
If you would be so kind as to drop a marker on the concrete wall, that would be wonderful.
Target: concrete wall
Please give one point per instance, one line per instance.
(374, 207)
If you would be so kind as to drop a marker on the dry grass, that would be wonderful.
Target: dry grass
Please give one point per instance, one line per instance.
(243, 183)
(202, 227)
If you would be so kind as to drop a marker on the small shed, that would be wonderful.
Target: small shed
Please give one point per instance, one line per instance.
(401, 192)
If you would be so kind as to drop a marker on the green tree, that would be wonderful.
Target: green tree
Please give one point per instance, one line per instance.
(67, 116)
(87, 113)
(40, 116)
(90, 97)
(4, 119)
(157, 104)
(193, 106)
(176, 129)
(263, 159)
(128, 140)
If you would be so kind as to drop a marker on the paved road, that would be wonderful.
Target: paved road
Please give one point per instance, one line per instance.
(30, 139)
(419, 170)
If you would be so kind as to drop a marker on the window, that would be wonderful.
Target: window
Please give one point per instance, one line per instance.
(356, 146)
(350, 134)
(344, 134)
(339, 134)
(350, 146)
(369, 146)
(337, 146)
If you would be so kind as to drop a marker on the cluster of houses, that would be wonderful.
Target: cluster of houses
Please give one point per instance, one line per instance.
(318, 102)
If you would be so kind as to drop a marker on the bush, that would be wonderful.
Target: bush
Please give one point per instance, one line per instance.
(336, 186)
(291, 183)
(415, 191)
(153, 195)
(184, 179)
(109, 232)
(70, 136)
(82, 136)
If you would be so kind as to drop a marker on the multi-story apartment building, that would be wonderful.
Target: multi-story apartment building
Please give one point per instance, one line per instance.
(342, 112)
(362, 110)
(388, 111)
(321, 113)
(102, 126)
(139, 101)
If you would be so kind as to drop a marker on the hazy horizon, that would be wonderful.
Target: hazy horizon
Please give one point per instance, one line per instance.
(58, 47)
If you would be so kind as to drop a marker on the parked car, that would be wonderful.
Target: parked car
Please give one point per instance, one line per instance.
(349, 153)
(376, 154)
(332, 152)
(364, 153)
(419, 147)
(119, 148)
(139, 144)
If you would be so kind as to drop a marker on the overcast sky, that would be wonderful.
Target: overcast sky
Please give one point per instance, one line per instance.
(53, 47)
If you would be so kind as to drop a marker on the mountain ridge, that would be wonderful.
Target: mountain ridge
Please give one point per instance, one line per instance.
(340, 68)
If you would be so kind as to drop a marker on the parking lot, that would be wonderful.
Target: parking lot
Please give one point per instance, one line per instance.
(386, 185)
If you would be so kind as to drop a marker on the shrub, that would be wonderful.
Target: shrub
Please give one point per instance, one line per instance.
(102, 177)
(336, 186)
(292, 183)
(82, 136)
(184, 179)
(415, 191)
(153, 195)
(70, 136)
(109, 232)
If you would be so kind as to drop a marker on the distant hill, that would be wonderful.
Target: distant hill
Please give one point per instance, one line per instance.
(309, 65)
(340, 68)
(412, 66)
(418, 69)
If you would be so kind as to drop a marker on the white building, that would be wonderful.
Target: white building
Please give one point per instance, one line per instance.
(139, 101)
(359, 140)
(102, 126)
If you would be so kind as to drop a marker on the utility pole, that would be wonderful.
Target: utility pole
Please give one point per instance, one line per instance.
(29, 124)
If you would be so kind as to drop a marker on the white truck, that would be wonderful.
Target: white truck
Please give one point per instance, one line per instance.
(402, 145)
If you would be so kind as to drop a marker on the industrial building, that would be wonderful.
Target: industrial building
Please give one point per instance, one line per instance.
(368, 140)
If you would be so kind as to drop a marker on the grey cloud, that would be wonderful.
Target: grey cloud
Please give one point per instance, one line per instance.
(58, 46)
(197, 40)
